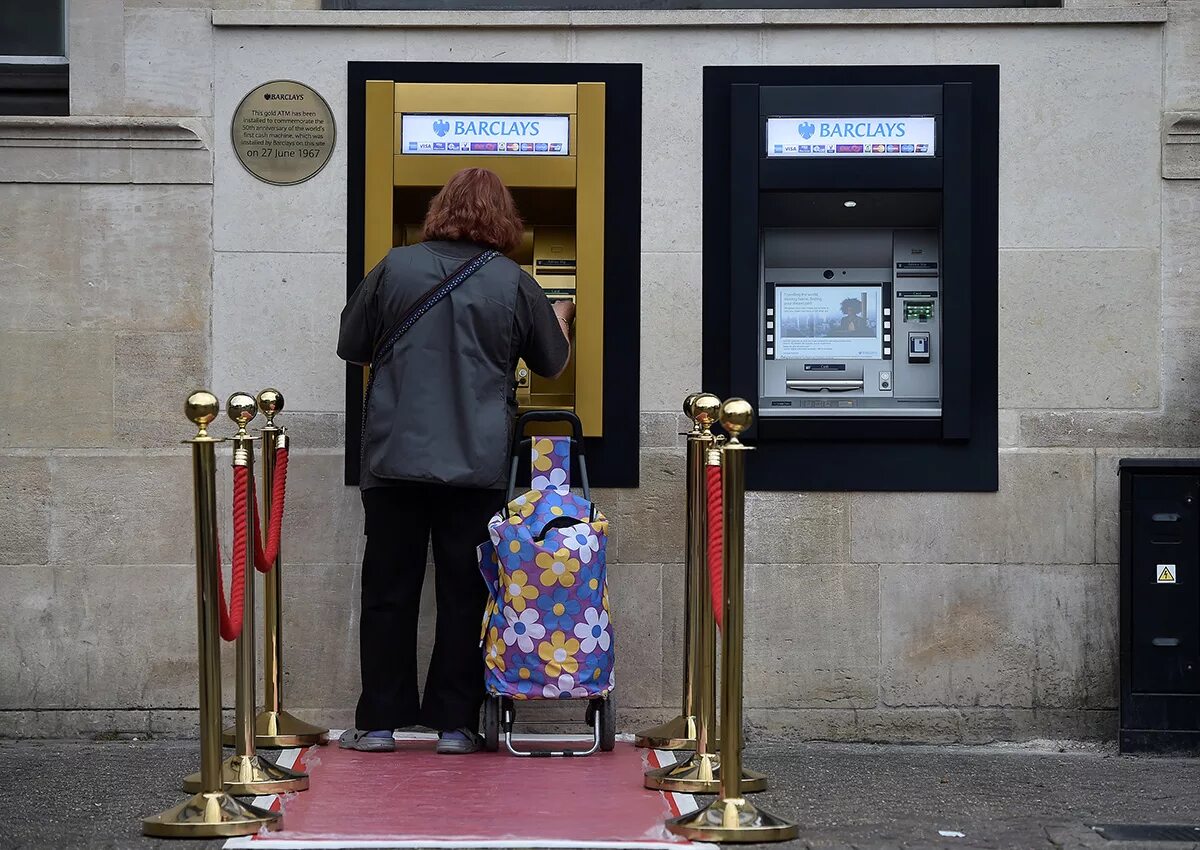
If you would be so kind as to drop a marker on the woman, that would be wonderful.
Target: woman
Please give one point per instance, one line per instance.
(435, 446)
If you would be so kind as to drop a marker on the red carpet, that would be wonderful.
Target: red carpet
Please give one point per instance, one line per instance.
(416, 798)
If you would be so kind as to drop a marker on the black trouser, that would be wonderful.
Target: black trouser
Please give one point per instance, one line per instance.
(400, 520)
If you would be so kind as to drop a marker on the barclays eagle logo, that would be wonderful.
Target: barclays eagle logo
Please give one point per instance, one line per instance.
(806, 130)
(441, 127)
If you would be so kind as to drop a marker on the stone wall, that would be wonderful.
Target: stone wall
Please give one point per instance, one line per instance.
(936, 617)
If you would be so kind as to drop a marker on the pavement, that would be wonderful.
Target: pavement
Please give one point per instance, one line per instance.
(93, 794)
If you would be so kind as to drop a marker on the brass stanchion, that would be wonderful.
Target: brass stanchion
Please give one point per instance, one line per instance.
(246, 773)
(212, 812)
(701, 774)
(274, 727)
(731, 817)
(681, 732)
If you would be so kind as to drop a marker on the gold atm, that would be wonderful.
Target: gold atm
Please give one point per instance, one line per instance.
(546, 142)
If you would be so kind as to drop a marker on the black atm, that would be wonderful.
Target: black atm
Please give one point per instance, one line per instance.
(850, 230)
(1160, 605)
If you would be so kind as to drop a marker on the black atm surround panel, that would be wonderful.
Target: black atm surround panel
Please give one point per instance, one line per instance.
(835, 416)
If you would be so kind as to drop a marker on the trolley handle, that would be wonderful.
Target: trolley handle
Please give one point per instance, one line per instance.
(522, 444)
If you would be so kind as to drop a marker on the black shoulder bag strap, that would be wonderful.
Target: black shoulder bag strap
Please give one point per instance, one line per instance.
(410, 317)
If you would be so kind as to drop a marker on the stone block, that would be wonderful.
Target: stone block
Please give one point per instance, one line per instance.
(1009, 423)
(314, 430)
(323, 523)
(672, 62)
(97, 50)
(25, 506)
(104, 724)
(168, 62)
(1108, 495)
(783, 45)
(1181, 295)
(890, 725)
(1107, 342)
(121, 510)
(275, 324)
(152, 269)
(72, 645)
(999, 636)
(660, 431)
(486, 44)
(652, 518)
(1050, 196)
(39, 276)
(992, 725)
(1181, 46)
(56, 388)
(127, 257)
(670, 335)
(153, 375)
(248, 212)
(635, 599)
(674, 623)
(1097, 428)
(797, 528)
(320, 636)
(1042, 514)
(105, 149)
(812, 636)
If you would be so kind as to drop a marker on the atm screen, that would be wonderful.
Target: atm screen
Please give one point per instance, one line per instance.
(818, 322)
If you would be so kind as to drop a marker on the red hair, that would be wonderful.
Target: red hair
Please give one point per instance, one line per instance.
(475, 206)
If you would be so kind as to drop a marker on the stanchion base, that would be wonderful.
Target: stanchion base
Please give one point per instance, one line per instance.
(733, 820)
(212, 814)
(701, 774)
(677, 734)
(274, 730)
(251, 776)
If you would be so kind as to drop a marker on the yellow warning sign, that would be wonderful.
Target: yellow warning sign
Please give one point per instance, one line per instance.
(1166, 573)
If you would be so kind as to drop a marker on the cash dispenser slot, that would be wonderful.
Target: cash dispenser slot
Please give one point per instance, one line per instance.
(816, 385)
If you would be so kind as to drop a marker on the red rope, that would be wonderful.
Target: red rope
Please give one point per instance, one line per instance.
(264, 559)
(716, 542)
(231, 615)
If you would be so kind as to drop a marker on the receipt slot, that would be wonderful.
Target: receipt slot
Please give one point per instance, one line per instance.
(545, 130)
(850, 242)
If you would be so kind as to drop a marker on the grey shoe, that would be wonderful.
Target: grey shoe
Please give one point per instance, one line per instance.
(458, 742)
(357, 739)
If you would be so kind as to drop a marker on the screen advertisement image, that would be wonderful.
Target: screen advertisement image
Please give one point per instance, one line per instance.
(487, 135)
(819, 322)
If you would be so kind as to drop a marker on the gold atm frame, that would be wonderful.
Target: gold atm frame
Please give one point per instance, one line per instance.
(594, 189)
(580, 171)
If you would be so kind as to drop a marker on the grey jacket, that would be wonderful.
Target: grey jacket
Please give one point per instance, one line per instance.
(444, 400)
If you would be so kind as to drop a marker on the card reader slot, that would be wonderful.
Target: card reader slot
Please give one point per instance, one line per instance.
(814, 386)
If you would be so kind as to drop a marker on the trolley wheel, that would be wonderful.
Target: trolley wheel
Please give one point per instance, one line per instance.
(491, 724)
(608, 724)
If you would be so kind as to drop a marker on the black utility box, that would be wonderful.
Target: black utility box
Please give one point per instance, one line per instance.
(1160, 605)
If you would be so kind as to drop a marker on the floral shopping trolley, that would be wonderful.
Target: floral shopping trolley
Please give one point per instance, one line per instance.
(546, 629)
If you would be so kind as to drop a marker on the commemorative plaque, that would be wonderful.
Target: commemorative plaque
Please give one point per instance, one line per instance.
(283, 132)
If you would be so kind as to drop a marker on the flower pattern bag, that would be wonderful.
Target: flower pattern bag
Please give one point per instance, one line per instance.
(546, 629)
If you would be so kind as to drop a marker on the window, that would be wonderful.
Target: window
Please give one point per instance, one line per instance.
(33, 57)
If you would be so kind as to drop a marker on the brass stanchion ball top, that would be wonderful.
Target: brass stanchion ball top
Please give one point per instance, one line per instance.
(241, 408)
(687, 404)
(270, 402)
(202, 407)
(736, 416)
(705, 409)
